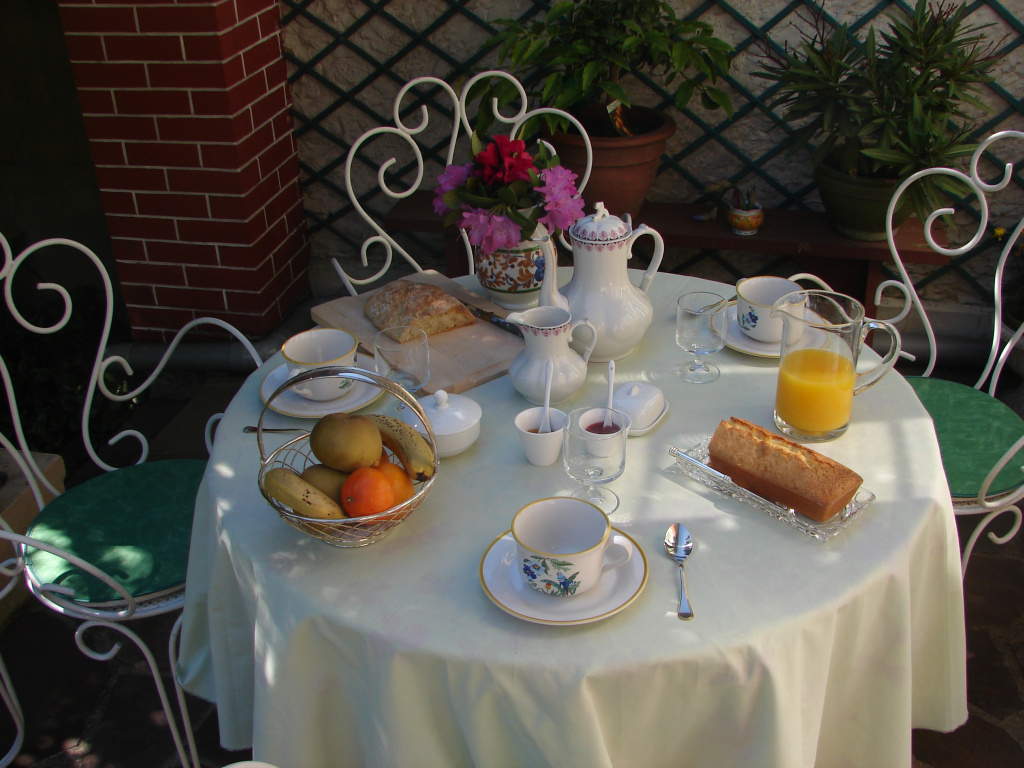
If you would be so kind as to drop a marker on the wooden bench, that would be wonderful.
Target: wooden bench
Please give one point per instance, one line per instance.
(849, 266)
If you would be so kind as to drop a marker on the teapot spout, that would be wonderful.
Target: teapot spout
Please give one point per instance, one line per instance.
(549, 294)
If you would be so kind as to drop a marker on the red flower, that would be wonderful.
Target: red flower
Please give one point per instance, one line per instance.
(503, 161)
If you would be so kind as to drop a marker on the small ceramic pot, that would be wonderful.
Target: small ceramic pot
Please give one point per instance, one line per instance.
(744, 222)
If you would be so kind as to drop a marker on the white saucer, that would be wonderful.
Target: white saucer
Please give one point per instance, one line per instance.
(500, 578)
(291, 404)
(652, 425)
(736, 339)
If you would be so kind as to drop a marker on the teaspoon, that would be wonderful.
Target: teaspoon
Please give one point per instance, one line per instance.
(678, 545)
(611, 393)
(545, 422)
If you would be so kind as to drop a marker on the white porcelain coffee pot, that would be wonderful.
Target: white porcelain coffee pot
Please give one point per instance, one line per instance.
(547, 331)
(600, 289)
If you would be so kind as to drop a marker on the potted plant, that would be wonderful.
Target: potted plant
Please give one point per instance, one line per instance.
(507, 201)
(744, 213)
(576, 58)
(876, 111)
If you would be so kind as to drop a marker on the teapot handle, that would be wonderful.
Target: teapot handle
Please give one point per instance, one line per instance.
(866, 379)
(593, 336)
(659, 252)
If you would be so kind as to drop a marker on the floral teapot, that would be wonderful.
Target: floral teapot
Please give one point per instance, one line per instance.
(600, 290)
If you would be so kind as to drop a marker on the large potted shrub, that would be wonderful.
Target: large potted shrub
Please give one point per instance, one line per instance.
(576, 57)
(877, 110)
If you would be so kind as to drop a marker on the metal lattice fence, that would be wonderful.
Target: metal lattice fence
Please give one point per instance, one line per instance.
(348, 59)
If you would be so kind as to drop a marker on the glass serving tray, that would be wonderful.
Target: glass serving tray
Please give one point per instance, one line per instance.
(693, 463)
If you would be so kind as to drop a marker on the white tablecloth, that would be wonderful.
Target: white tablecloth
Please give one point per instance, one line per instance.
(802, 652)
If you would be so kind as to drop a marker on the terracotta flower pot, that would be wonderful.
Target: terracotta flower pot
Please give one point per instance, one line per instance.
(624, 166)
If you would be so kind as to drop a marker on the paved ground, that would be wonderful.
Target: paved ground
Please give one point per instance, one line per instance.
(88, 714)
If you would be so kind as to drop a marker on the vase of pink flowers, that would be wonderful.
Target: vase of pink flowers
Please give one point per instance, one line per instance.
(509, 203)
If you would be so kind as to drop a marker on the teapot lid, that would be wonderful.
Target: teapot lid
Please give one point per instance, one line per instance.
(601, 227)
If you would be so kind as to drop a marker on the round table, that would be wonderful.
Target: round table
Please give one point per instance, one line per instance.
(801, 653)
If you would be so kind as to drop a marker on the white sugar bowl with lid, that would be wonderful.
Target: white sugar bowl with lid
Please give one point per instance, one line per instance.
(455, 419)
(643, 403)
(600, 289)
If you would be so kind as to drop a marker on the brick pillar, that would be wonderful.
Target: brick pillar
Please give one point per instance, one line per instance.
(186, 110)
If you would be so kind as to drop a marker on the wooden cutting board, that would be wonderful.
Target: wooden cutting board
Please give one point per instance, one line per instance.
(460, 359)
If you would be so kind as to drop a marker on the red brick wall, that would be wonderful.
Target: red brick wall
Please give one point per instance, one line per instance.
(186, 109)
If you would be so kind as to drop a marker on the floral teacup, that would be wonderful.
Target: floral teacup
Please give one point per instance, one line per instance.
(564, 545)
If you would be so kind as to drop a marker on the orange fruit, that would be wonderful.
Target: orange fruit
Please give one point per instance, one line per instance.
(401, 484)
(366, 492)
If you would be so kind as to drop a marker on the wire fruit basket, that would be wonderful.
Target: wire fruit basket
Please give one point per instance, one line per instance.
(295, 454)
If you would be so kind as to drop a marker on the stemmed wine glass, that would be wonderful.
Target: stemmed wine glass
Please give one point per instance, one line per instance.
(700, 330)
(594, 454)
(406, 363)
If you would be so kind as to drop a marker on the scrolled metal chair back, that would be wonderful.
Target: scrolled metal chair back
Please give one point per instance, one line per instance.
(461, 127)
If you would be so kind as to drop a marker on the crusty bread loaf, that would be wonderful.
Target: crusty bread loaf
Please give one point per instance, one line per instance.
(781, 470)
(420, 305)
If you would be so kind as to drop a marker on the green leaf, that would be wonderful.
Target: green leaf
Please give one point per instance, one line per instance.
(615, 92)
(516, 217)
(506, 195)
(590, 73)
(477, 201)
(717, 99)
(558, 10)
(890, 156)
(684, 94)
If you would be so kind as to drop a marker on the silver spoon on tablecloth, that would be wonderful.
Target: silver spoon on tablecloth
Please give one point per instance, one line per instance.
(679, 545)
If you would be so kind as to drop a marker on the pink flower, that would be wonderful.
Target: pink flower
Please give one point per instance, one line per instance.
(563, 213)
(452, 177)
(562, 205)
(488, 230)
(559, 181)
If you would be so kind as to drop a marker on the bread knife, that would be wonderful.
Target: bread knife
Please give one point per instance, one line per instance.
(501, 322)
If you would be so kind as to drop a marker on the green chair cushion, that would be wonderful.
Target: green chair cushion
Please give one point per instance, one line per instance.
(974, 431)
(134, 523)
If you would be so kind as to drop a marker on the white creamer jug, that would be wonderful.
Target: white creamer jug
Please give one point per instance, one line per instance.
(547, 331)
(600, 289)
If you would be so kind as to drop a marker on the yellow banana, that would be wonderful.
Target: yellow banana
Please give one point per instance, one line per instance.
(286, 486)
(412, 450)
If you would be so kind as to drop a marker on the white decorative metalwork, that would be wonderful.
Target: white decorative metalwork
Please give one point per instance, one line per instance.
(999, 351)
(460, 126)
(57, 597)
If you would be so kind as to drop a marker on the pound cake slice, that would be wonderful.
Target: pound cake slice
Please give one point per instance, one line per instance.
(780, 470)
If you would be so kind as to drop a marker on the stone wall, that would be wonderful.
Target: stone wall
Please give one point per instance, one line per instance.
(351, 90)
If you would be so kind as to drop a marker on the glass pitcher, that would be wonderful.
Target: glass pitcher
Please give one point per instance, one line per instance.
(823, 333)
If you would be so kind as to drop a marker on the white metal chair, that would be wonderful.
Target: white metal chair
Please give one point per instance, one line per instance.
(115, 547)
(460, 129)
(980, 437)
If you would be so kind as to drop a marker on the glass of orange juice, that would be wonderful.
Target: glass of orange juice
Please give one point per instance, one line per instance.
(822, 337)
